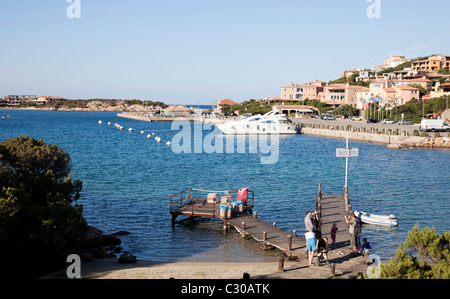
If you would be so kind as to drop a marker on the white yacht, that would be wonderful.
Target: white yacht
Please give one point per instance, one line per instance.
(270, 123)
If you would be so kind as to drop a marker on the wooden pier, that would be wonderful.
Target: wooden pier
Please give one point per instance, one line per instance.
(332, 209)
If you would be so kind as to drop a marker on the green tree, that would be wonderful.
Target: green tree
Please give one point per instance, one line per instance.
(431, 258)
(39, 222)
(345, 110)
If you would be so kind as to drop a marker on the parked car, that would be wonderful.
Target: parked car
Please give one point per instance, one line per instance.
(356, 118)
(387, 121)
(404, 122)
(372, 121)
(328, 117)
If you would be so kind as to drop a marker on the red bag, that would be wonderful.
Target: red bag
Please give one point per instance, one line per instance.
(242, 195)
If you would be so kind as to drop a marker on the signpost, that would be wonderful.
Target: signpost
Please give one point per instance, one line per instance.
(347, 153)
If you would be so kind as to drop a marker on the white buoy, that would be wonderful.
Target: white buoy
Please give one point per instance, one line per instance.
(130, 130)
(120, 128)
(168, 143)
(153, 134)
(142, 132)
(109, 123)
(99, 122)
(148, 136)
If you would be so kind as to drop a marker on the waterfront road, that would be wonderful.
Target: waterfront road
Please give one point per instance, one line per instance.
(363, 124)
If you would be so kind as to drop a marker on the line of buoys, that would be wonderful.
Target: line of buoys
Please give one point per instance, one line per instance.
(149, 135)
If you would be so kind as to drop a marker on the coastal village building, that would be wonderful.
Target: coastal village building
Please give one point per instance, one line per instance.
(296, 92)
(392, 96)
(350, 72)
(440, 90)
(223, 103)
(426, 65)
(15, 100)
(340, 94)
(407, 73)
(297, 110)
(47, 99)
(433, 63)
(444, 59)
(394, 60)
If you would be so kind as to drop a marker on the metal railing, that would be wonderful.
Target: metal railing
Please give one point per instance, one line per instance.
(188, 198)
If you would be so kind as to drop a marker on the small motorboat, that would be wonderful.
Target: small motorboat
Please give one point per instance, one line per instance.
(390, 220)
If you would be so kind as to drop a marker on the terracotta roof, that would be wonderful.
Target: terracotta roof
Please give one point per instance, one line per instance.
(418, 80)
(405, 87)
(228, 102)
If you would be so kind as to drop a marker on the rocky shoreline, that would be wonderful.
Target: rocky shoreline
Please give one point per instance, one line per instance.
(427, 142)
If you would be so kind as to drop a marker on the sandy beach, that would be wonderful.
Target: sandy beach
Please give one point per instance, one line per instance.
(111, 269)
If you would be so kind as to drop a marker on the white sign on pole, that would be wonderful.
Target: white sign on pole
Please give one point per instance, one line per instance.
(347, 152)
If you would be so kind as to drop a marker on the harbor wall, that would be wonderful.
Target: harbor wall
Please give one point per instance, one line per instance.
(358, 136)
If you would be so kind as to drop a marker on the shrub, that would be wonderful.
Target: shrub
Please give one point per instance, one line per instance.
(432, 258)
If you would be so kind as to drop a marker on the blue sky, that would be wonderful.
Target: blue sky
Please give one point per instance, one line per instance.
(198, 51)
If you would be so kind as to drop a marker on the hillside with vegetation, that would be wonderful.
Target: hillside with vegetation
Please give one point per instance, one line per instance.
(103, 105)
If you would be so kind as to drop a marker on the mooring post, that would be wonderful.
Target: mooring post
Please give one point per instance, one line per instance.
(264, 240)
(225, 224)
(243, 230)
(274, 224)
(281, 264)
(333, 269)
(294, 233)
(289, 249)
(174, 217)
(255, 214)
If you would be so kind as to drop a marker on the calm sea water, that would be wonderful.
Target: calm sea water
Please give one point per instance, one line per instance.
(127, 181)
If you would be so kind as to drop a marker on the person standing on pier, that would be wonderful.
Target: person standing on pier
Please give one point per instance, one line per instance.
(354, 230)
(310, 245)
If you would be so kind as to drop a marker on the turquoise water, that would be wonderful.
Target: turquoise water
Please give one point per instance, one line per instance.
(127, 181)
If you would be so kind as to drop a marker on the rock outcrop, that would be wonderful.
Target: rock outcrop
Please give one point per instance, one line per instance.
(96, 244)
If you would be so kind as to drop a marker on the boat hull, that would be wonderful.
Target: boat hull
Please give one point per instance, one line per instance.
(377, 219)
(244, 129)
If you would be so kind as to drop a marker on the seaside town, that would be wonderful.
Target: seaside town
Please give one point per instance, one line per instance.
(394, 83)
(379, 94)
